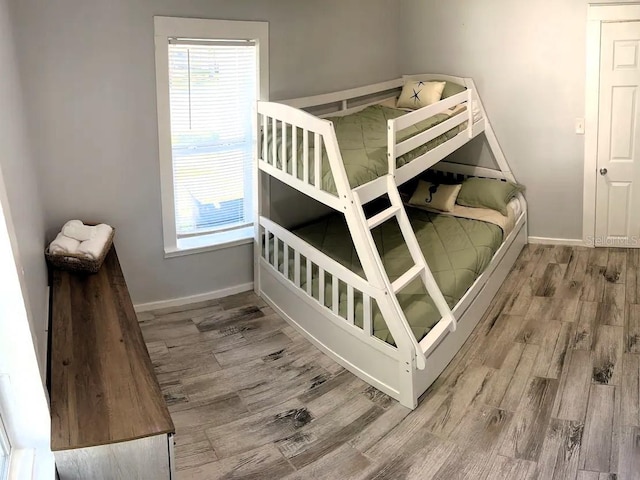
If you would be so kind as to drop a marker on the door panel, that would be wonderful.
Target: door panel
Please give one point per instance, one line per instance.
(618, 163)
(625, 54)
(618, 218)
(623, 123)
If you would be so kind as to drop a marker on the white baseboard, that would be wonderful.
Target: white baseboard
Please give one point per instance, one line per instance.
(573, 242)
(201, 297)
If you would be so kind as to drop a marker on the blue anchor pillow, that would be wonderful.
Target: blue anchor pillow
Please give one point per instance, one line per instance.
(417, 94)
(435, 196)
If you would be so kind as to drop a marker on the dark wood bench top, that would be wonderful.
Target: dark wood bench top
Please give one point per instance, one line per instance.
(103, 389)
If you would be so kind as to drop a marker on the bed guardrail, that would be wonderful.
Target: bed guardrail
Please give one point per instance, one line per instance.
(295, 146)
(323, 279)
(292, 146)
(396, 150)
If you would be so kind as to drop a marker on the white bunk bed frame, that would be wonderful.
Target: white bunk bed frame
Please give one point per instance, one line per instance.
(406, 370)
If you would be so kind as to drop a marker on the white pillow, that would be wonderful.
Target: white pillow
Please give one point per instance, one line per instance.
(417, 94)
(389, 102)
(436, 196)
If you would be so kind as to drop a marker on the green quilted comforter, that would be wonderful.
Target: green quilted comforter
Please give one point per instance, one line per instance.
(456, 249)
(362, 138)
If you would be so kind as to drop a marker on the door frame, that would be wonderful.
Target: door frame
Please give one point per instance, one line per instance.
(597, 14)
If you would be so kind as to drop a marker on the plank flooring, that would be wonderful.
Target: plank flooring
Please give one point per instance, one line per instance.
(546, 387)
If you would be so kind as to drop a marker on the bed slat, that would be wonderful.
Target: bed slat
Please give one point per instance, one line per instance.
(266, 245)
(274, 142)
(296, 268)
(294, 151)
(335, 295)
(350, 304)
(283, 163)
(275, 252)
(305, 155)
(317, 162)
(285, 260)
(321, 286)
(309, 281)
(366, 315)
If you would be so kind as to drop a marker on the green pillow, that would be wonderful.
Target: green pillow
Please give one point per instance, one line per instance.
(487, 193)
(451, 89)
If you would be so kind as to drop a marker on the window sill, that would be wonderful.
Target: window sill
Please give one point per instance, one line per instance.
(209, 243)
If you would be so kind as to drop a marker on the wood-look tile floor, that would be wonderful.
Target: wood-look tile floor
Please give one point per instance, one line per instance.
(546, 387)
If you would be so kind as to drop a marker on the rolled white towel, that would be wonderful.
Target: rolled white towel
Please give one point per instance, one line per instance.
(72, 222)
(62, 245)
(93, 248)
(76, 229)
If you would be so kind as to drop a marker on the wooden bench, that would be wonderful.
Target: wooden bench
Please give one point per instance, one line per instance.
(109, 419)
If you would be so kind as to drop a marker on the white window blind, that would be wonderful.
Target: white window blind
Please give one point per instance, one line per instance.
(212, 87)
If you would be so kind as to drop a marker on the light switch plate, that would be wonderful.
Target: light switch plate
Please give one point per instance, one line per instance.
(580, 126)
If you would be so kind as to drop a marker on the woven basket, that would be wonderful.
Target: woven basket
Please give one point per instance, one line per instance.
(77, 262)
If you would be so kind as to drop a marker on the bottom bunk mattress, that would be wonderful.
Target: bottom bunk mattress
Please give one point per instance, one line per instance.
(456, 249)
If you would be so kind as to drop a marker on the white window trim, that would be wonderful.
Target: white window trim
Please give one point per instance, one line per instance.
(23, 399)
(166, 27)
(5, 448)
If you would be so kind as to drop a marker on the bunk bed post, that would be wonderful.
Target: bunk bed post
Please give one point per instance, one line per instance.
(407, 387)
(261, 190)
(490, 135)
(470, 93)
(391, 146)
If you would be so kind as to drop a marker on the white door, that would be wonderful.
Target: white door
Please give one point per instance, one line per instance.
(618, 163)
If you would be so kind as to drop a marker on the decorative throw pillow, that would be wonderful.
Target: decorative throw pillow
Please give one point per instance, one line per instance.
(436, 196)
(417, 94)
(451, 89)
(487, 193)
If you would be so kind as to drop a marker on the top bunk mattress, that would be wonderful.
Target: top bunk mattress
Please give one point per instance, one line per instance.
(362, 138)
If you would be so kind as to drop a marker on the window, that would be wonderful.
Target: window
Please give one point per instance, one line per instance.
(209, 74)
(4, 452)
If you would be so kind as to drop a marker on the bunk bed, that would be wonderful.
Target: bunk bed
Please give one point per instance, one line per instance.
(367, 284)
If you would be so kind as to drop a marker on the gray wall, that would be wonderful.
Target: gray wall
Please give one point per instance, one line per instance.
(88, 72)
(25, 207)
(528, 61)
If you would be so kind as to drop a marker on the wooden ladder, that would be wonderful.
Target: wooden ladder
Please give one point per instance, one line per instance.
(376, 273)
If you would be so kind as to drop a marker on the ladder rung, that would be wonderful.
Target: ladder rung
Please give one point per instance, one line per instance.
(382, 217)
(406, 278)
(437, 333)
